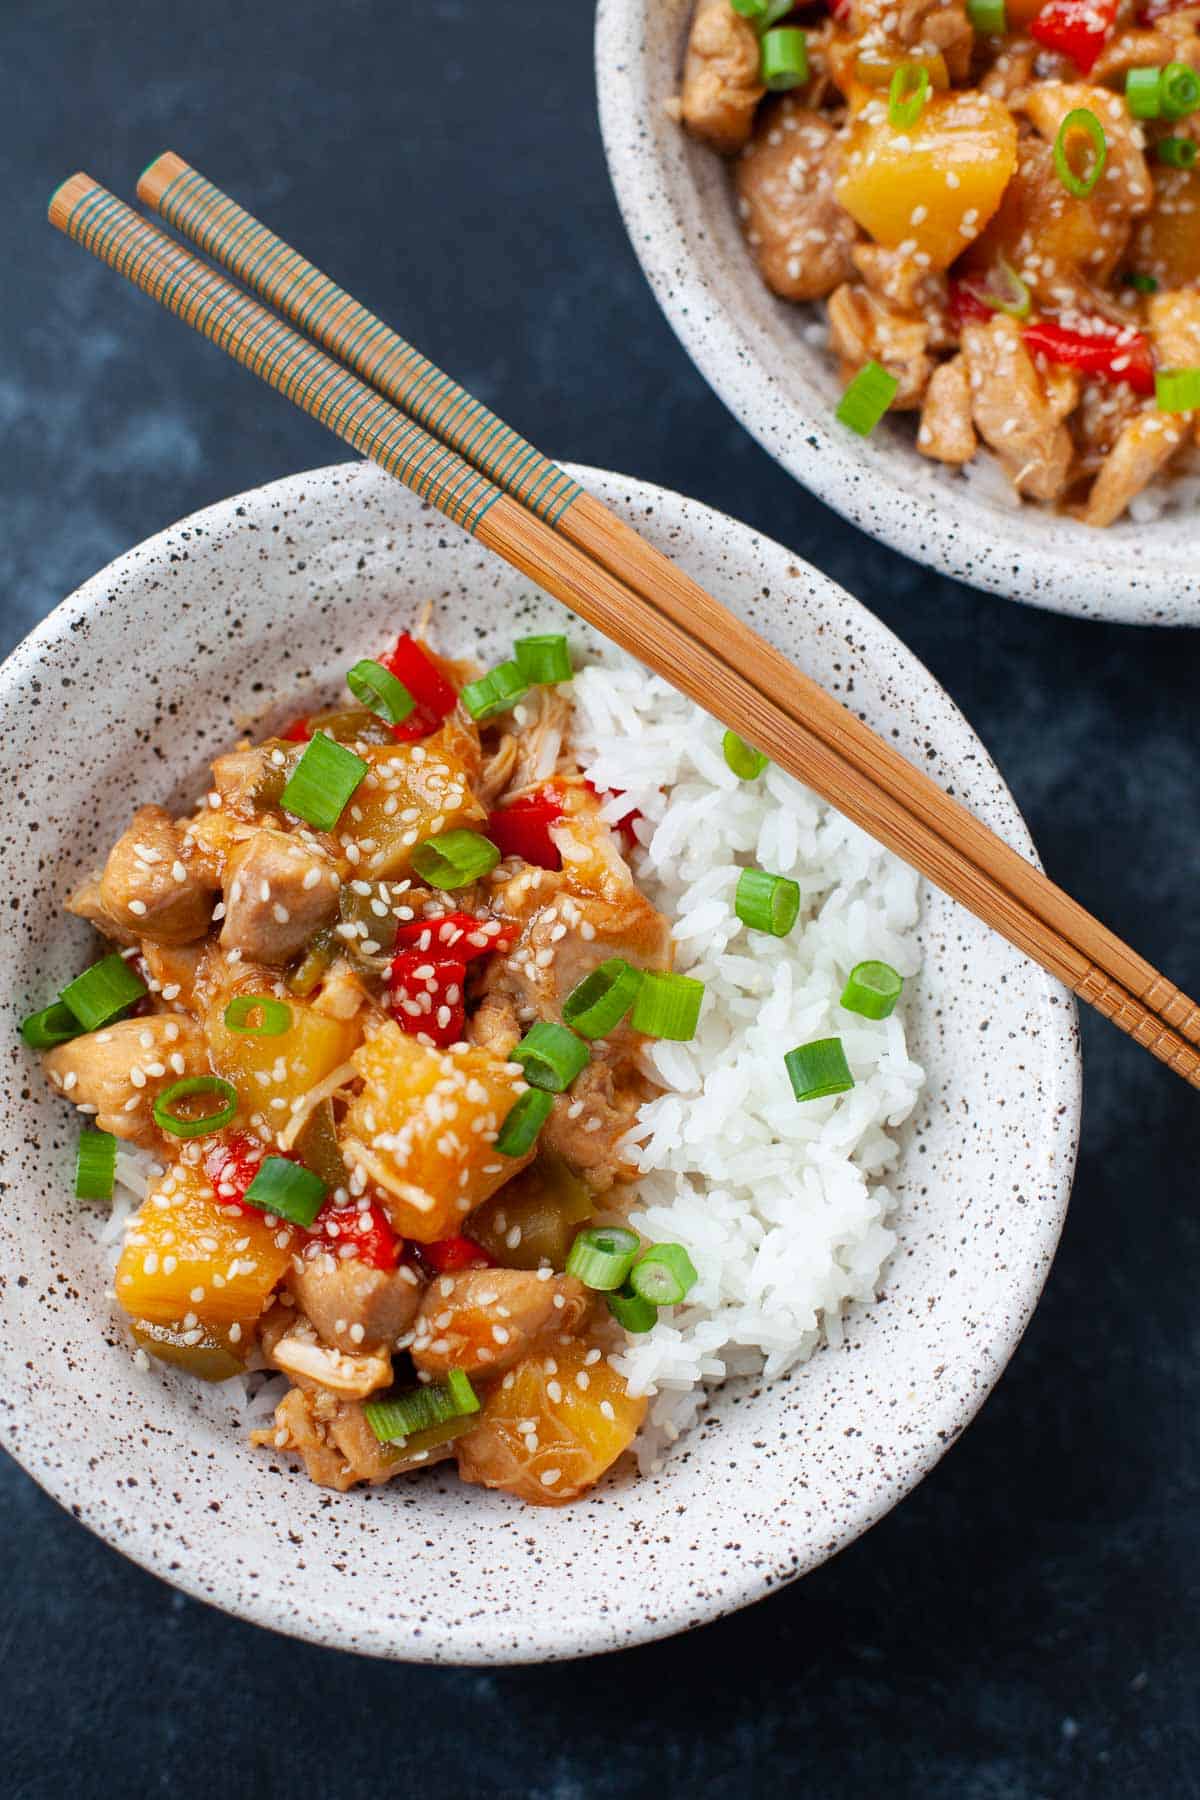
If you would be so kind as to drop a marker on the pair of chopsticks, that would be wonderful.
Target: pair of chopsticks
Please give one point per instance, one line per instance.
(353, 373)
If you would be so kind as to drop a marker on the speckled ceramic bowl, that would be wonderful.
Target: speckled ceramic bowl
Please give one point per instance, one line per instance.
(678, 206)
(253, 608)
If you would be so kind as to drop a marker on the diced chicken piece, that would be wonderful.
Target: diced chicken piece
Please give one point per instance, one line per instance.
(424, 1128)
(946, 432)
(1018, 412)
(720, 77)
(863, 328)
(1012, 71)
(926, 26)
(899, 281)
(341, 993)
(1144, 447)
(120, 1071)
(800, 236)
(211, 837)
(86, 903)
(149, 887)
(278, 892)
(589, 1121)
(1104, 410)
(251, 779)
(351, 1305)
(1174, 324)
(172, 971)
(485, 1320)
(1166, 244)
(352, 1375)
(1127, 50)
(334, 1440)
(1125, 190)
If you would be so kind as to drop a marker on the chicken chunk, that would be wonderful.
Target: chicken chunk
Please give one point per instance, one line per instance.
(278, 892)
(333, 1438)
(485, 1320)
(720, 77)
(1126, 191)
(172, 971)
(800, 236)
(1145, 446)
(1018, 412)
(118, 1073)
(299, 1352)
(352, 1305)
(863, 328)
(946, 432)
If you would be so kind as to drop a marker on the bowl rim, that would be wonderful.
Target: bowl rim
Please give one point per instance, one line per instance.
(1066, 567)
(323, 1622)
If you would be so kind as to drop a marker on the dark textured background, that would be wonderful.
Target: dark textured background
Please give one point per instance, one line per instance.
(1025, 1624)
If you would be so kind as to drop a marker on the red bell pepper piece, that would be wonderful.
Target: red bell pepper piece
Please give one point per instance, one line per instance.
(367, 1228)
(449, 1254)
(523, 829)
(232, 1164)
(839, 11)
(424, 680)
(1116, 353)
(1078, 28)
(455, 936)
(425, 994)
(298, 732)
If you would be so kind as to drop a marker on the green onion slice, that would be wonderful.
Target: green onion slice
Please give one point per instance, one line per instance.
(551, 1056)
(322, 782)
(631, 1310)
(1004, 291)
(783, 59)
(55, 1024)
(988, 17)
(749, 9)
(95, 1165)
(1177, 152)
(1178, 90)
(379, 691)
(665, 1275)
(1177, 390)
(544, 660)
(1143, 93)
(401, 1416)
(103, 992)
(274, 1017)
(602, 1256)
(745, 761)
(454, 860)
(1080, 119)
(287, 1189)
(767, 902)
(496, 692)
(523, 1122)
(818, 1069)
(167, 1118)
(867, 398)
(602, 999)
(907, 94)
(872, 990)
(1143, 284)
(667, 1006)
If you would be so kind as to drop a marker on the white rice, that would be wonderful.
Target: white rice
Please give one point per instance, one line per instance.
(782, 1207)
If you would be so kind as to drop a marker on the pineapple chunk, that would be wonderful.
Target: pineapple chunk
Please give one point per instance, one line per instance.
(935, 186)
(410, 792)
(424, 1130)
(575, 1439)
(270, 1073)
(189, 1262)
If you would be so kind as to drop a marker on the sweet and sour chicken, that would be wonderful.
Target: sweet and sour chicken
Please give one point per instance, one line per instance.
(332, 1021)
(999, 201)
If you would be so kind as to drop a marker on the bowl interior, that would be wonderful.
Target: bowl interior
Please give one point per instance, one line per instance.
(766, 359)
(248, 611)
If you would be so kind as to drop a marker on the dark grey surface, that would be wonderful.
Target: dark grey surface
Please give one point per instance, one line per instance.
(1025, 1624)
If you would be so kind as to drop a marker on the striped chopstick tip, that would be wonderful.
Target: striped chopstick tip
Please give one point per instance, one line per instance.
(157, 177)
(66, 198)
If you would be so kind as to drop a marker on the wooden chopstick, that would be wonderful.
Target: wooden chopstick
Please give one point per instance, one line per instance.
(330, 393)
(331, 317)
